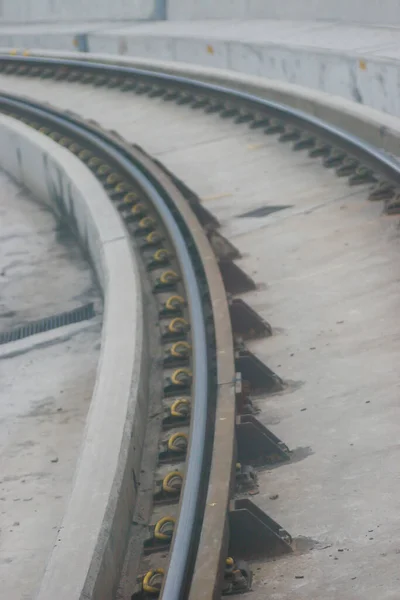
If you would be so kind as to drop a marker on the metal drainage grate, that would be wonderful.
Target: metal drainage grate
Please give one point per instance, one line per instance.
(84, 313)
(263, 211)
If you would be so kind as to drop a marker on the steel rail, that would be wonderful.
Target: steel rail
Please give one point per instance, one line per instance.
(369, 154)
(186, 537)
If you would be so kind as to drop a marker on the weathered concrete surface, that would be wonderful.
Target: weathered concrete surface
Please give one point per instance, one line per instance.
(332, 296)
(45, 393)
(327, 269)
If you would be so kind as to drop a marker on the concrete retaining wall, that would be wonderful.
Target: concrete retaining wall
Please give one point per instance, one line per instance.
(358, 11)
(363, 79)
(88, 552)
(62, 11)
(373, 126)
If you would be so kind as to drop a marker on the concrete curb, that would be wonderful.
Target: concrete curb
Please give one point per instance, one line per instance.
(89, 548)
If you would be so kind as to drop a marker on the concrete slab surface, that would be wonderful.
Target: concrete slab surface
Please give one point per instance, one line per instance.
(42, 271)
(45, 391)
(328, 283)
(331, 294)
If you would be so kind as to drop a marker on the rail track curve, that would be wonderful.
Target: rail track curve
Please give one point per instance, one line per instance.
(206, 369)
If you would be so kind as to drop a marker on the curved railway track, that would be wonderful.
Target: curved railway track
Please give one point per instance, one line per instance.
(191, 297)
(208, 373)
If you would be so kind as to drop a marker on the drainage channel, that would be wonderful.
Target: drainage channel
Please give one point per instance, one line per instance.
(76, 315)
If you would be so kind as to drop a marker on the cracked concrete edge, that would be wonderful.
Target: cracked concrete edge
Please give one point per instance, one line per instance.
(373, 126)
(89, 549)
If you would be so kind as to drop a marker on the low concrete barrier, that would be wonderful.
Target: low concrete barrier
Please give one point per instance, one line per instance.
(89, 547)
(362, 77)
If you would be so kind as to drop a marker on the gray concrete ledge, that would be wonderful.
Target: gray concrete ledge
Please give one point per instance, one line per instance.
(88, 553)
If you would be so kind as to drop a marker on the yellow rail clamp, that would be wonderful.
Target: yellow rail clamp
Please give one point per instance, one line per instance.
(138, 209)
(181, 376)
(122, 186)
(113, 179)
(64, 141)
(161, 255)
(169, 277)
(94, 162)
(152, 581)
(180, 349)
(174, 302)
(130, 197)
(74, 148)
(180, 408)
(178, 442)
(103, 169)
(153, 237)
(178, 325)
(172, 483)
(164, 529)
(85, 155)
(146, 222)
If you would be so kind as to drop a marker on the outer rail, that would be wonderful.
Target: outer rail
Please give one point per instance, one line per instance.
(355, 146)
